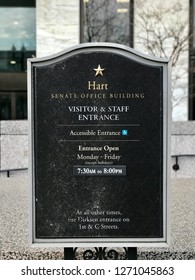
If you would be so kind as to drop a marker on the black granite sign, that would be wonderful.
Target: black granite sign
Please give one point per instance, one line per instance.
(98, 116)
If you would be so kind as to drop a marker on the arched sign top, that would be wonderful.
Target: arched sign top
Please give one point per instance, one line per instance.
(101, 47)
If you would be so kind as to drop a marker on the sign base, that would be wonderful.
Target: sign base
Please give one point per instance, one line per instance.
(101, 253)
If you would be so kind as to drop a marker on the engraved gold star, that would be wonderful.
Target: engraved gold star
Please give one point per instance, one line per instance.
(98, 70)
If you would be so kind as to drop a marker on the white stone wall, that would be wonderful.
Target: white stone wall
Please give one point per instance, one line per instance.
(13, 145)
(57, 25)
(183, 149)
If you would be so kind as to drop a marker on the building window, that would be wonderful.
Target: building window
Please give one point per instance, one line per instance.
(192, 62)
(17, 35)
(18, 42)
(192, 88)
(13, 105)
(107, 21)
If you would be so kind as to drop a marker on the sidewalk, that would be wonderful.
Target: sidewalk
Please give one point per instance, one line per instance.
(14, 223)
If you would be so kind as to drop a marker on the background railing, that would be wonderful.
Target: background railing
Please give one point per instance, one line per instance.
(10, 170)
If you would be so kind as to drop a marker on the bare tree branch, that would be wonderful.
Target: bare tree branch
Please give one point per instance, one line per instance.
(162, 31)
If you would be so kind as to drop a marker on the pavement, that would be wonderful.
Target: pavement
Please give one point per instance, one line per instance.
(14, 227)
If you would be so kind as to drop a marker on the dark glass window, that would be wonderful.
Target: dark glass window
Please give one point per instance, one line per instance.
(13, 105)
(192, 62)
(21, 106)
(18, 42)
(107, 21)
(5, 107)
(17, 35)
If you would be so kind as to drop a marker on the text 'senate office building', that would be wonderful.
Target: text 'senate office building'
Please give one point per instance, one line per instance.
(41, 28)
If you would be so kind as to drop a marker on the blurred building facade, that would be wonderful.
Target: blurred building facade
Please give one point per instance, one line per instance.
(44, 27)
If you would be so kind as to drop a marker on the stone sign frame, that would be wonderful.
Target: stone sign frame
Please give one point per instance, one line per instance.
(87, 242)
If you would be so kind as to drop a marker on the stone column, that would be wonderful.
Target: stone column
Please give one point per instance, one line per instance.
(57, 25)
